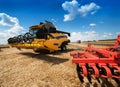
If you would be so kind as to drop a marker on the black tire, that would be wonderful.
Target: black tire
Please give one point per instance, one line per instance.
(63, 47)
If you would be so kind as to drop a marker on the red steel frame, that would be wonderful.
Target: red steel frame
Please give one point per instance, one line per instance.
(106, 59)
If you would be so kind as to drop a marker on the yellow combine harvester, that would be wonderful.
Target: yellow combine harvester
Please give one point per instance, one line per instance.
(42, 37)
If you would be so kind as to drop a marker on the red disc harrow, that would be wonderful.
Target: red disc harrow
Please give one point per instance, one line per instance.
(95, 63)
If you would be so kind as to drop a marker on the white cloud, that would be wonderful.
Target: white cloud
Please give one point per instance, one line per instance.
(74, 9)
(9, 27)
(69, 17)
(92, 24)
(90, 35)
(7, 20)
(107, 35)
(88, 8)
(118, 33)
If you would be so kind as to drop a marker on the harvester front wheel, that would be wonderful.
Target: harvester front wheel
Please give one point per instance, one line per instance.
(63, 47)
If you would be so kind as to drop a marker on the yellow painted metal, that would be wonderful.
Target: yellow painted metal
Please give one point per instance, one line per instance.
(37, 27)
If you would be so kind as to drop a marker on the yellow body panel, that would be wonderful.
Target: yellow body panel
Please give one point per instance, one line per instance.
(37, 27)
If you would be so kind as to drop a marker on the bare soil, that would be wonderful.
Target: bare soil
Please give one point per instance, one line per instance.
(26, 68)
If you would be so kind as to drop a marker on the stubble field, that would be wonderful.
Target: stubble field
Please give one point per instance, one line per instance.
(26, 68)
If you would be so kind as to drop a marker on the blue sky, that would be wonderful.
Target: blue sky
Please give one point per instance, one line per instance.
(84, 19)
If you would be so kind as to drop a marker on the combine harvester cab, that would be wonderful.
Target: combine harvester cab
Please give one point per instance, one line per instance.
(42, 37)
(98, 63)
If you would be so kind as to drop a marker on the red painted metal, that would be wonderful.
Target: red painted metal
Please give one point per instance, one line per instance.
(99, 62)
(84, 69)
(117, 43)
(96, 71)
(107, 72)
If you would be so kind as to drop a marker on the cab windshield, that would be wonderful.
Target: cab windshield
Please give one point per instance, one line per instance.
(33, 32)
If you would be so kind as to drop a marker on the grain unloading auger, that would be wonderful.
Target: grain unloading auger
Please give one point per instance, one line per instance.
(95, 63)
(42, 37)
